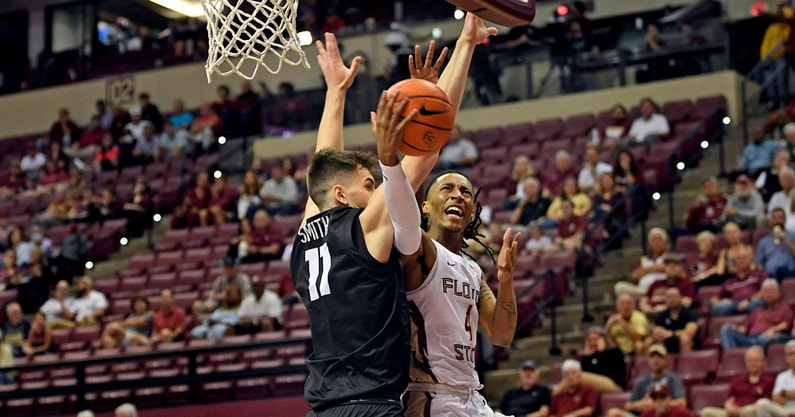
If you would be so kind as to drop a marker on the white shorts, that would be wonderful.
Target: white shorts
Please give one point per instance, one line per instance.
(429, 403)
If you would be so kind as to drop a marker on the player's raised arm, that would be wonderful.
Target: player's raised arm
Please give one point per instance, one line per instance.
(498, 317)
(339, 79)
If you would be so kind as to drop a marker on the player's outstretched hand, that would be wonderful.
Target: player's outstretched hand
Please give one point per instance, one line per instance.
(424, 70)
(337, 74)
(388, 128)
(475, 31)
(506, 261)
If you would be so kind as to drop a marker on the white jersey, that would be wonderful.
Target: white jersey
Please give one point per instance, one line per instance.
(444, 322)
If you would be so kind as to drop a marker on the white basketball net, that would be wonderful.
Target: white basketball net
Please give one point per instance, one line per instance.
(247, 34)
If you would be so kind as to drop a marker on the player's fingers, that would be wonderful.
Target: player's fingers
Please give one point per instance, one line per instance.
(331, 43)
(506, 238)
(429, 55)
(412, 68)
(492, 31)
(405, 121)
(357, 61)
(394, 121)
(381, 103)
(441, 59)
(417, 55)
(320, 48)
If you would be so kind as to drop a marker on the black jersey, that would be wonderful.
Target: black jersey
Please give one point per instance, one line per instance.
(357, 312)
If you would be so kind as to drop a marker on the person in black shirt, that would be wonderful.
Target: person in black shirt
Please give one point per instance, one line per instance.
(532, 206)
(603, 368)
(676, 326)
(530, 399)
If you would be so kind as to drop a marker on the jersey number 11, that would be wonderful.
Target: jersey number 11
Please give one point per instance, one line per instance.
(317, 258)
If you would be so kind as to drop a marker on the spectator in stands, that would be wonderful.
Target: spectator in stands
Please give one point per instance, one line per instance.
(459, 152)
(21, 247)
(180, 118)
(650, 268)
(105, 207)
(39, 339)
(238, 245)
(677, 326)
(725, 265)
(592, 170)
(609, 206)
(561, 169)
(757, 155)
(51, 174)
(15, 183)
(138, 211)
(6, 360)
(89, 140)
(784, 198)
(173, 144)
(126, 410)
(133, 132)
(279, 193)
(571, 228)
(522, 171)
(767, 324)
(705, 213)
(768, 182)
(627, 328)
(286, 109)
(107, 156)
(789, 135)
(740, 293)
(639, 399)
(703, 267)
(231, 276)
(72, 256)
(603, 367)
(32, 163)
(149, 111)
(16, 329)
(196, 200)
(267, 239)
(782, 403)
(538, 242)
(531, 399)
(627, 175)
(147, 147)
(205, 128)
(222, 202)
(745, 390)
(260, 311)
(224, 318)
(247, 106)
(105, 114)
(532, 206)
(121, 117)
(660, 396)
(248, 194)
(569, 192)
(776, 251)
(616, 129)
(650, 128)
(654, 301)
(57, 155)
(33, 289)
(89, 304)
(745, 206)
(57, 309)
(169, 322)
(64, 130)
(134, 330)
(57, 211)
(572, 397)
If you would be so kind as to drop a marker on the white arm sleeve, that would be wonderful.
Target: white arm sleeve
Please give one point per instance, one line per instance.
(403, 210)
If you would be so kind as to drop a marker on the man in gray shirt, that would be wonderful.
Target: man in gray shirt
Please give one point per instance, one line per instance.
(639, 400)
(745, 206)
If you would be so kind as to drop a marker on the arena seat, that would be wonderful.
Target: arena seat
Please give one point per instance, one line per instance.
(517, 133)
(776, 359)
(612, 400)
(712, 336)
(495, 155)
(253, 388)
(713, 395)
(697, 366)
(547, 129)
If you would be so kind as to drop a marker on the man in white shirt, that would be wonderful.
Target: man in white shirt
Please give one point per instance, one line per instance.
(89, 306)
(135, 128)
(592, 170)
(57, 309)
(279, 193)
(459, 152)
(650, 127)
(783, 198)
(783, 402)
(260, 311)
(32, 162)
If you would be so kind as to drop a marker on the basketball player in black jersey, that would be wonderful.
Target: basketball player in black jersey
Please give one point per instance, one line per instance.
(343, 263)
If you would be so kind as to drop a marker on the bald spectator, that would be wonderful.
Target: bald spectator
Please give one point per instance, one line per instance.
(745, 390)
(260, 311)
(57, 309)
(628, 327)
(89, 304)
(16, 329)
(782, 404)
(529, 400)
(230, 276)
(767, 324)
(168, 323)
(593, 169)
(459, 152)
(572, 397)
(653, 301)
(126, 410)
(266, 242)
(562, 168)
(650, 268)
(740, 293)
(279, 193)
(776, 251)
(676, 327)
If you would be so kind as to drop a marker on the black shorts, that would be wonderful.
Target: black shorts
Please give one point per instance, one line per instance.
(361, 408)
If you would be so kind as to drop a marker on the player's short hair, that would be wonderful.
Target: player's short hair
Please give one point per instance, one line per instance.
(334, 166)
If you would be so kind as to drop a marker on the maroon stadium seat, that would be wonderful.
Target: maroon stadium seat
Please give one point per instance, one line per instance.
(253, 388)
(677, 111)
(776, 359)
(547, 129)
(732, 363)
(613, 400)
(518, 133)
(579, 125)
(697, 366)
(216, 391)
(488, 137)
(712, 337)
(495, 155)
(713, 395)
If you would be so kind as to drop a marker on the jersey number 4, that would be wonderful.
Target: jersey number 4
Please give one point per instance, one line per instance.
(318, 258)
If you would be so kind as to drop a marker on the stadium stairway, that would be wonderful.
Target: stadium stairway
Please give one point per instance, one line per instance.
(616, 266)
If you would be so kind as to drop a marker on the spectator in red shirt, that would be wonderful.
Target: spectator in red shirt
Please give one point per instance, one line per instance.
(89, 140)
(766, 324)
(572, 398)
(197, 199)
(168, 324)
(562, 169)
(107, 156)
(51, 174)
(708, 209)
(223, 200)
(571, 229)
(267, 240)
(745, 390)
(654, 300)
(661, 398)
(740, 293)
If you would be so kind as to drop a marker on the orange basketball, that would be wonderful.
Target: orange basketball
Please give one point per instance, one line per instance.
(431, 126)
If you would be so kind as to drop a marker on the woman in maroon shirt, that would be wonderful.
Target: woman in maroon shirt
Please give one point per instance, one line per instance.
(197, 199)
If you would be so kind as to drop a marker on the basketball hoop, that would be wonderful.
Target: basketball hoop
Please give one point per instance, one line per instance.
(247, 34)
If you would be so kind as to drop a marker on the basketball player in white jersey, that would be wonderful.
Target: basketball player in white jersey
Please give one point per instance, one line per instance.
(448, 300)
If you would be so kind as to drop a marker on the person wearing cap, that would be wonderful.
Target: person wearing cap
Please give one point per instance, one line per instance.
(650, 268)
(745, 390)
(783, 198)
(628, 327)
(89, 305)
(775, 252)
(603, 367)
(653, 302)
(530, 399)
(260, 311)
(740, 293)
(768, 323)
(745, 206)
(639, 399)
(782, 403)
(573, 398)
(677, 326)
(660, 396)
(230, 276)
